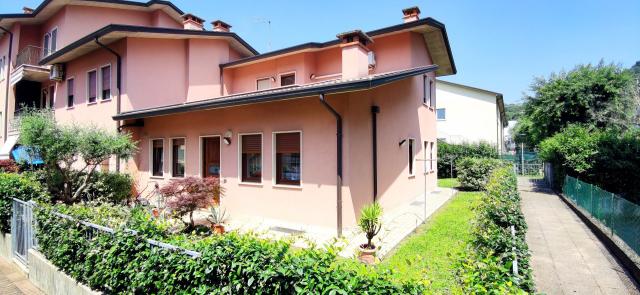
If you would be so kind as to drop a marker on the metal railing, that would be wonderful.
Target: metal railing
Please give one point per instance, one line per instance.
(22, 230)
(14, 123)
(29, 55)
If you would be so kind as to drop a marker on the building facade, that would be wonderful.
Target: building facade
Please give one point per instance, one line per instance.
(307, 134)
(469, 114)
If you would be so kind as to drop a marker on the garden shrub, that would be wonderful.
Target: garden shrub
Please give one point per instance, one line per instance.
(109, 187)
(189, 194)
(487, 266)
(123, 263)
(449, 153)
(17, 186)
(473, 173)
(9, 166)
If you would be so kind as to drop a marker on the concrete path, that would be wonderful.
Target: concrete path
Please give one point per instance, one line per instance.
(567, 258)
(13, 281)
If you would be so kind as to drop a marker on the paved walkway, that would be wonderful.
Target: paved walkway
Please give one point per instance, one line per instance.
(14, 282)
(567, 258)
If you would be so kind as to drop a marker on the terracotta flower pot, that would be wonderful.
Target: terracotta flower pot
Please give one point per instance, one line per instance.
(155, 212)
(218, 229)
(367, 255)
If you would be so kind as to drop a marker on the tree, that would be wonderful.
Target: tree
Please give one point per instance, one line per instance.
(601, 96)
(514, 111)
(189, 194)
(635, 69)
(70, 152)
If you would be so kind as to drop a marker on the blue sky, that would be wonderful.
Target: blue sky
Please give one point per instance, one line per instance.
(497, 45)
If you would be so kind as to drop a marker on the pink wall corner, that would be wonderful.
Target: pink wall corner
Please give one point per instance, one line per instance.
(328, 62)
(161, 19)
(203, 74)
(393, 52)
(354, 61)
(157, 79)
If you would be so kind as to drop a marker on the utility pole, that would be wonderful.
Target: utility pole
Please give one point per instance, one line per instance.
(522, 158)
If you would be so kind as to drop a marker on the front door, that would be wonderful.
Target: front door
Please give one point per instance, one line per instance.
(211, 156)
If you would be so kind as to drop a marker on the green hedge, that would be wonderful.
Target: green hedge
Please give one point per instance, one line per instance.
(473, 173)
(17, 186)
(104, 187)
(233, 263)
(449, 153)
(487, 266)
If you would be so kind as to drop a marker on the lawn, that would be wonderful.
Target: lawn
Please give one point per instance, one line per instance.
(448, 182)
(430, 253)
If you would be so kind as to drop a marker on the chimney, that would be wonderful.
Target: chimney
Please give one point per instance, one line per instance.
(411, 14)
(220, 26)
(355, 54)
(27, 10)
(192, 22)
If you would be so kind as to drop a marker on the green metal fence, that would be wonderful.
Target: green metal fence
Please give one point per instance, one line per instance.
(621, 217)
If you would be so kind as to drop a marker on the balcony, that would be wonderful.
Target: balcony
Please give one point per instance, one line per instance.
(27, 66)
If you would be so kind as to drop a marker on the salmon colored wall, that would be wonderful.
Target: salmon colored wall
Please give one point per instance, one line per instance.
(161, 19)
(4, 51)
(99, 113)
(157, 79)
(329, 61)
(30, 35)
(244, 78)
(203, 78)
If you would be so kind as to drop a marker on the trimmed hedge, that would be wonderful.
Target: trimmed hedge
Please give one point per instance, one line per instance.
(473, 173)
(17, 186)
(487, 266)
(449, 154)
(122, 263)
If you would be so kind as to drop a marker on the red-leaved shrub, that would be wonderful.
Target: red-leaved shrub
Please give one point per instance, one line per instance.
(9, 166)
(191, 193)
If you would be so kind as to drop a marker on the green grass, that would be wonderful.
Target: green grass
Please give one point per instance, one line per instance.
(430, 253)
(448, 182)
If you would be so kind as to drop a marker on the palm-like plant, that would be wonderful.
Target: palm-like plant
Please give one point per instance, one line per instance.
(217, 215)
(370, 222)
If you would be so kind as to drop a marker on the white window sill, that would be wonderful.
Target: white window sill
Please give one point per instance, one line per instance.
(92, 103)
(105, 100)
(288, 186)
(251, 183)
(70, 108)
(157, 177)
(411, 176)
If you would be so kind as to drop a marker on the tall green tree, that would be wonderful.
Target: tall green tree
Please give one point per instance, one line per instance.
(600, 96)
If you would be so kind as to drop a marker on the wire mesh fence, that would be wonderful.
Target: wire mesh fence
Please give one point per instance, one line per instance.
(620, 216)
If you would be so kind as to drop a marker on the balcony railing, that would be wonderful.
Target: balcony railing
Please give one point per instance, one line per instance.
(14, 123)
(30, 55)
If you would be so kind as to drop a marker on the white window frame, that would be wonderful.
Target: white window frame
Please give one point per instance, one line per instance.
(51, 51)
(67, 92)
(431, 158)
(273, 160)
(295, 76)
(171, 157)
(151, 158)
(240, 158)
(270, 79)
(87, 86)
(46, 45)
(411, 157)
(427, 99)
(445, 114)
(2, 64)
(201, 151)
(99, 98)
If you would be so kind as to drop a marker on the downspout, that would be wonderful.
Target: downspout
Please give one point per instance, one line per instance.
(118, 88)
(338, 162)
(6, 95)
(374, 149)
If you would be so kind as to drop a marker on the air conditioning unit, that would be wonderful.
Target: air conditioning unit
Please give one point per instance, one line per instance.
(57, 73)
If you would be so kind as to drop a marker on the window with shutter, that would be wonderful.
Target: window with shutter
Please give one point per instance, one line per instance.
(45, 44)
(178, 151)
(288, 164)
(251, 159)
(157, 154)
(105, 73)
(411, 156)
(92, 86)
(54, 37)
(263, 84)
(288, 79)
(70, 93)
(211, 156)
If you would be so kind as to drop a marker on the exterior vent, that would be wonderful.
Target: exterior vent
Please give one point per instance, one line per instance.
(57, 73)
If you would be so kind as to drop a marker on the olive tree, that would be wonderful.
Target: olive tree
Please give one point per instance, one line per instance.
(71, 153)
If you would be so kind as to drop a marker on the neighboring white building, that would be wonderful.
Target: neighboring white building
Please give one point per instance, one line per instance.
(509, 138)
(469, 114)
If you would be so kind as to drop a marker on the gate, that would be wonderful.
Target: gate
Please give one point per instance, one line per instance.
(22, 235)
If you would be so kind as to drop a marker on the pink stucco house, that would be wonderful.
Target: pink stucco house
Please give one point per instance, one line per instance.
(306, 134)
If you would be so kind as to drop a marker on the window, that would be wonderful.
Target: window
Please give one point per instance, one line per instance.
(157, 156)
(428, 98)
(2, 61)
(45, 44)
(105, 86)
(52, 91)
(92, 86)
(263, 84)
(431, 159)
(251, 159)
(70, 92)
(441, 114)
(177, 157)
(287, 158)
(411, 155)
(54, 37)
(287, 79)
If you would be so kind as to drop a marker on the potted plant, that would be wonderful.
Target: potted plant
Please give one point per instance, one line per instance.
(217, 217)
(370, 224)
